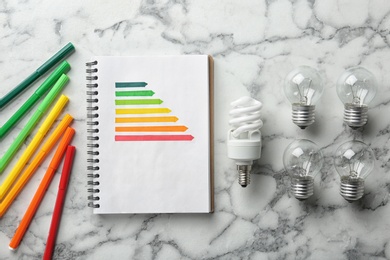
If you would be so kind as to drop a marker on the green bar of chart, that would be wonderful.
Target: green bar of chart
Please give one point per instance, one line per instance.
(138, 102)
(135, 93)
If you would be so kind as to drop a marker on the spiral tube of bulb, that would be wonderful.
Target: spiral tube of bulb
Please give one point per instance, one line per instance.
(245, 115)
(244, 137)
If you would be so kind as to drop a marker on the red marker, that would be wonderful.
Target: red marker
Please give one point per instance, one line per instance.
(55, 221)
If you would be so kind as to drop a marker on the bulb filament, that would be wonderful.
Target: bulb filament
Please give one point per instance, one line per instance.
(303, 97)
(358, 91)
(303, 170)
(356, 167)
(306, 166)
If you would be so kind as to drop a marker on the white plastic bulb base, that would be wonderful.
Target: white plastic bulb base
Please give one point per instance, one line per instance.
(351, 189)
(244, 152)
(302, 187)
(303, 115)
(355, 116)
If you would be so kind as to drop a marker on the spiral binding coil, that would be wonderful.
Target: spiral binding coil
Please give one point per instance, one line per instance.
(93, 137)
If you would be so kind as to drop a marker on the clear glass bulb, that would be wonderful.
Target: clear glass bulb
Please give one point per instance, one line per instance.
(354, 161)
(302, 160)
(356, 88)
(303, 88)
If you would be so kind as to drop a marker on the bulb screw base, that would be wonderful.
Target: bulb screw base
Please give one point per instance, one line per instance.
(351, 188)
(355, 116)
(244, 175)
(302, 187)
(303, 115)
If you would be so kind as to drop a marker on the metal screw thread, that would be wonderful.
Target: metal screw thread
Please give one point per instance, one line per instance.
(355, 116)
(244, 177)
(302, 187)
(352, 188)
(303, 115)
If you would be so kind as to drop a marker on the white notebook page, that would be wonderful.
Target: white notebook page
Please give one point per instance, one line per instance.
(156, 167)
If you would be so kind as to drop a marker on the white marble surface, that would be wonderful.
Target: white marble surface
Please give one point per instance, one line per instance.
(255, 44)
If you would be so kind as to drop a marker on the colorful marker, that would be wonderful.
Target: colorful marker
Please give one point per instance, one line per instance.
(33, 146)
(63, 68)
(36, 162)
(43, 186)
(43, 107)
(50, 63)
(55, 221)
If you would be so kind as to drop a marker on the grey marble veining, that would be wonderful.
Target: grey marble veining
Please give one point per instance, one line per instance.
(254, 44)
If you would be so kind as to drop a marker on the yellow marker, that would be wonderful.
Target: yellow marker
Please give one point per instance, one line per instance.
(32, 147)
(142, 111)
(36, 162)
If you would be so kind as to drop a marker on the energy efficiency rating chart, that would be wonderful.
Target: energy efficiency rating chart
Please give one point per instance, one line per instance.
(141, 117)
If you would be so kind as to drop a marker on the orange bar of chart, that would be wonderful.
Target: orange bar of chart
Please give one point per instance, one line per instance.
(146, 119)
(179, 128)
(154, 138)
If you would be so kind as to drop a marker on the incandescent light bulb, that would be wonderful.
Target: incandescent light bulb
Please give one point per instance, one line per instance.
(302, 160)
(356, 88)
(244, 137)
(303, 88)
(354, 161)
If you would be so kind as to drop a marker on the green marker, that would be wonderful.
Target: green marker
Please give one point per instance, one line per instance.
(43, 107)
(60, 55)
(63, 68)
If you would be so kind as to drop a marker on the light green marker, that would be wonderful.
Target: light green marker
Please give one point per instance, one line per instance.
(42, 109)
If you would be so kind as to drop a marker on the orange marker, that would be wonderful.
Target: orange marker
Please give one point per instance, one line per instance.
(43, 186)
(36, 162)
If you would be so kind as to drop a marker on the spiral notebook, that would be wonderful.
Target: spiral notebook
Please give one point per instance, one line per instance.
(150, 134)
